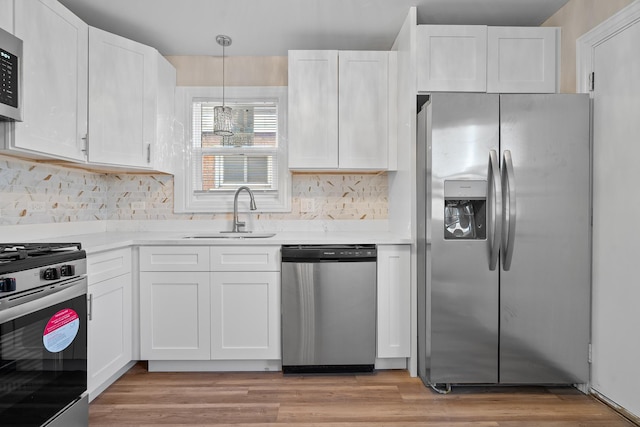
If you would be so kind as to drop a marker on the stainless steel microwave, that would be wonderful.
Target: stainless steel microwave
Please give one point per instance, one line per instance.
(10, 77)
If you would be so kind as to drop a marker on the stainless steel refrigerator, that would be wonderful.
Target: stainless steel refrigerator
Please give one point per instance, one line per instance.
(503, 239)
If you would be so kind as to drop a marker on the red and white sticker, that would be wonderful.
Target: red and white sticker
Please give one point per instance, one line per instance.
(61, 330)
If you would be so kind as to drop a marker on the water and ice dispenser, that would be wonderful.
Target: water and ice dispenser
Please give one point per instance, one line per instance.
(465, 210)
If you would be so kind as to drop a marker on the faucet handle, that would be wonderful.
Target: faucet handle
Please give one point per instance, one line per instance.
(239, 225)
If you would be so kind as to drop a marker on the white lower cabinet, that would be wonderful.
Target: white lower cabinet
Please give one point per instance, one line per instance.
(174, 315)
(394, 301)
(245, 315)
(222, 304)
(110, 318)
(219, 303)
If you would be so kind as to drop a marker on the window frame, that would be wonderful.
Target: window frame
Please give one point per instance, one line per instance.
(186, 200)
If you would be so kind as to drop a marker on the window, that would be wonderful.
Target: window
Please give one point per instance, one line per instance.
(249, 157)
(254, 156)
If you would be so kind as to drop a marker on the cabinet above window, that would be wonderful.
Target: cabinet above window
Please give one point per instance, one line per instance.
(341, 114)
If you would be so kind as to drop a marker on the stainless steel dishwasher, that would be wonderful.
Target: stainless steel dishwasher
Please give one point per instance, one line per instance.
(328, 308)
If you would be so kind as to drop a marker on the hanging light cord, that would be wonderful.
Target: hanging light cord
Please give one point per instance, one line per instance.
(223, 47)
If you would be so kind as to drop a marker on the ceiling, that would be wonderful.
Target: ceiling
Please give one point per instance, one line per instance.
(271, 27)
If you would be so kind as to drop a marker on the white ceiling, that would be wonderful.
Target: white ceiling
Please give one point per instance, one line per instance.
(271, 27)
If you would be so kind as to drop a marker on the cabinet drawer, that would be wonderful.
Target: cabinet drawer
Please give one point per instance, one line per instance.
(245, 258)
(109, 264)
(174, 258)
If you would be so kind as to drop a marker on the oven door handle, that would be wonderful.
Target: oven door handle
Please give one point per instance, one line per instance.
(44, 297)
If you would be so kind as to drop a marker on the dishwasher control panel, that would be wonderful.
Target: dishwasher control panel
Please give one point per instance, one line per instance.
(329, 252)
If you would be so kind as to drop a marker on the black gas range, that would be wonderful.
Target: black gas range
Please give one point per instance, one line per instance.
(43, 335)
(26, 266)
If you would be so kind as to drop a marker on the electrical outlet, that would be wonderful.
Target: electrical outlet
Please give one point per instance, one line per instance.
(36, 207)
(137, 205)
(307, 205)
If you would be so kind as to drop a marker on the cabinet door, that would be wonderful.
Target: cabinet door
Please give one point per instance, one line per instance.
(164, 151)
(174, 316)
(313, 109)
(109, 333)
(122, 100)
(245, 315)
(522, 59)
(363, 105)
(6, 15)
(452, 58)
(54, 80)
(394, 301)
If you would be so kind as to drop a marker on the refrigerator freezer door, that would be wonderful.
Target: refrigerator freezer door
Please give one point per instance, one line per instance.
(463, 304)
(544, 296)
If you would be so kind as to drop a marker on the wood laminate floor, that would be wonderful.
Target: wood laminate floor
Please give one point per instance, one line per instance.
(385, 398)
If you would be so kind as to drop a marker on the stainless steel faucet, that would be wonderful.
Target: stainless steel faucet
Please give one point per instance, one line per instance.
(237, 225)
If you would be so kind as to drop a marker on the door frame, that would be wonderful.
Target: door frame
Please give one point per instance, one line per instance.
(585, 65)
(587, 43)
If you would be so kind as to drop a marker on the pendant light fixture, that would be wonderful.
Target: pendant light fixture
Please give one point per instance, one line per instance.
(222, 114)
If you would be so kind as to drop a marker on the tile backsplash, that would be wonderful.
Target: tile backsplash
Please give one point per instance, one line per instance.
(35, 193)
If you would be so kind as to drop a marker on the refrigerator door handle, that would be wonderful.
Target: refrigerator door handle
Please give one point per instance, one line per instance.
(494, 205)
(509, 206)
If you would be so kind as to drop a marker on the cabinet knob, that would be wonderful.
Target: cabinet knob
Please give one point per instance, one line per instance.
(7, 284)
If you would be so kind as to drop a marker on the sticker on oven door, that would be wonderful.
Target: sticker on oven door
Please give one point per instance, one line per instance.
(61, 330)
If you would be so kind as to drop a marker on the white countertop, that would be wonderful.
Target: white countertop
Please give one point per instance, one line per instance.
(98, 236)
(98, 242)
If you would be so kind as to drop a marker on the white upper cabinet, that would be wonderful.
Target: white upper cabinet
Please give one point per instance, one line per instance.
(313, 109)
(88, 96)
(522, 59)
(131, 100)
(54, 82)
(363, 110)
(477, 58)
(452, 58)
(339, 110)
(6, 15)
(165, 149)
(122, 100)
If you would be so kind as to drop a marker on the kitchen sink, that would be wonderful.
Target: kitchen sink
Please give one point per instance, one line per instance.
(231, 235)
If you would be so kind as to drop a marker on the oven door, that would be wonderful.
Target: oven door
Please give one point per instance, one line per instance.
(43, 354)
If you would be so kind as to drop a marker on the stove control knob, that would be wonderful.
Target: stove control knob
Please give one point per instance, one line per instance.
(67, 270)
(7, 284)
(51, 274)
